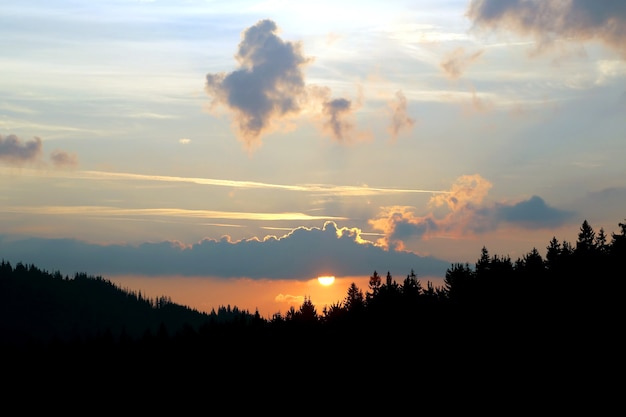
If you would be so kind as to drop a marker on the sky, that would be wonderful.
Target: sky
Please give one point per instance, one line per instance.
(230, 152)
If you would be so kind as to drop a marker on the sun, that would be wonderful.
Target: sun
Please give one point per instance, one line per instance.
(326, 280)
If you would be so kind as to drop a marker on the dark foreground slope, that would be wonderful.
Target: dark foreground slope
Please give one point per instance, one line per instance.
(38, 307)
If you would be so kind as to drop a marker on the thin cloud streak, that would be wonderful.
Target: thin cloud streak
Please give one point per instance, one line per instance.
(315, 188)
(328, 189)
(165, 212)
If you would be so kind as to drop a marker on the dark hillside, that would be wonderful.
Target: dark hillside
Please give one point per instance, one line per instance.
(41, 307)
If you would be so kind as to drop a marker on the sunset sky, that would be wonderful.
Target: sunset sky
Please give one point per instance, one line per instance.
(230, 152)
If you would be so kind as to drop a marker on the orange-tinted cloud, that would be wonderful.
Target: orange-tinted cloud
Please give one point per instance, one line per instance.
(549, 21)
(465, 212)
(457, 61)
(400, 120)
(399, 223)
(291, 300)
(467, 190)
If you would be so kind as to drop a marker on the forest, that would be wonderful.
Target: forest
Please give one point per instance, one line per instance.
(569, 296)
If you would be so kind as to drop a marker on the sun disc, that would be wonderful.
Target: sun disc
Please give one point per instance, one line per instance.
(326, 280)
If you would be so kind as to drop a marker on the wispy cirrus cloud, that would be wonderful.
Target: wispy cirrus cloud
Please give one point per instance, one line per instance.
(320, 189)
(109, 211)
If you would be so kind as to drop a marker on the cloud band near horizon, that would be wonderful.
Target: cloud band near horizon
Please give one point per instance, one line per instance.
(302, 254)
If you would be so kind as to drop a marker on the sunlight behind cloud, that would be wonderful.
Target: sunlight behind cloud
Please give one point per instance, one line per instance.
(326, 280)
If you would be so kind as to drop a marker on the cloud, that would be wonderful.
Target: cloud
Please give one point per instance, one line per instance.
(316, 188)
(268, 90)
(157, 213)
(334, 116)
(399, 224)
(62, 159)
(268, 85)
(457, 61)
(295, 300)
(464, 213)
(299, 255)
(336, 110)
(400, 120)
(467, 190)
(479, 104)
(533, 213)
(16, 152)
(549, 21)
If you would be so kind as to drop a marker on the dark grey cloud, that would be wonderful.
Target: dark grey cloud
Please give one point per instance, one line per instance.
(404, 229)
(334, 116)
(547, 21)
(533, 213)
(609, 195)
(269, 89)
(336, 111)
(301, 255)
(16, 152)
(268, 84)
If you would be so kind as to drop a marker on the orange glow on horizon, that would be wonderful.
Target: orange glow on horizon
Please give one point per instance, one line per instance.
(265, 296)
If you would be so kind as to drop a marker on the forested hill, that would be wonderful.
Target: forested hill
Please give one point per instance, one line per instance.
(37, 306)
